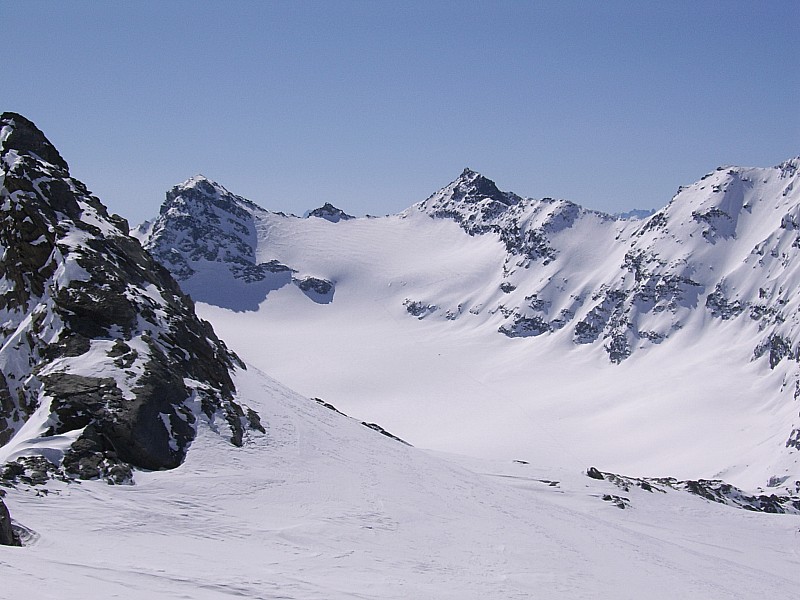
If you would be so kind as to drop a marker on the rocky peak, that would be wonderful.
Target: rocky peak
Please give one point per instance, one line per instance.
(790, 167)
(472, 187)
(199, 196)
(203, 228)
(330, 213)
(20, 135)
(199, 183)
(201, 221)
(524, 225)
(470, 199)
(103, 363)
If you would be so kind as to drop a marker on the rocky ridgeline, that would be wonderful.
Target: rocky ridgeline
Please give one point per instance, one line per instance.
(105, 365)
(713, 490)
(330, 213)
(523, 225)
(201, 221)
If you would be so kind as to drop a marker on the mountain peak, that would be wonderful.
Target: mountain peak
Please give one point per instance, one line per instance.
(202, 183)
(21, 135)
(473, 187)
(201, 193)
(468, 175)
(330, 213)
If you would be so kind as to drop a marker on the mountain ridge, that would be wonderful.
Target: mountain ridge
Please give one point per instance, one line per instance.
(552, 278)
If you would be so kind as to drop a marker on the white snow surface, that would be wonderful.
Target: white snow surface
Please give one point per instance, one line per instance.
(323, 508)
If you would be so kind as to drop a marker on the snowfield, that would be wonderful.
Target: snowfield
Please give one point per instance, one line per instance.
(693, 407)
(322, 507)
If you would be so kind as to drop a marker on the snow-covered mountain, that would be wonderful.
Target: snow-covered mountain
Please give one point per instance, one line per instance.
(110, 376)
(481, 322)
(208, 238)
(723, 245)
(105, 365)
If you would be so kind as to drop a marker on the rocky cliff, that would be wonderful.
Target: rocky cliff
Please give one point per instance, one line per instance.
(105, 365)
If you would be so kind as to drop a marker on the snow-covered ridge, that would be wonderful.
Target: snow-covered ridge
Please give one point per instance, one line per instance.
(544, 278)
(645, 278)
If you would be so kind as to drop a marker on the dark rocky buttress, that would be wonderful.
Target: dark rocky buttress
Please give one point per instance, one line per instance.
(97, 338)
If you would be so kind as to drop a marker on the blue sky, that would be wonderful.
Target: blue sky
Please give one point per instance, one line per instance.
(375, 105)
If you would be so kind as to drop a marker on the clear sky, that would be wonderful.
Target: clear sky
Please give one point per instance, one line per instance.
(374, 105)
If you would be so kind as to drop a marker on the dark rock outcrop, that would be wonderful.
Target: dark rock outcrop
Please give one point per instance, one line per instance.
(319, 290)
(594, 473)
(330, 213)
(81, 297)
(7, 535)
(382, 431)
(713, 490)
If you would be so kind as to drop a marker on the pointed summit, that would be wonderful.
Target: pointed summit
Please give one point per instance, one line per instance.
(200, 195)
(473, 187)
(204, 233)
(330, 213)
(20, 135)
(196, 187)
(203, 183)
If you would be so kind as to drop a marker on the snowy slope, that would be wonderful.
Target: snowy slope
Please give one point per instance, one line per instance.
(322, 507)
(484, 323)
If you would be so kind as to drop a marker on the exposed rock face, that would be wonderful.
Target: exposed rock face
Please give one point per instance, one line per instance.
(713, 490)
(330, 213)
(7, 535)
(104, 361)
(208, 238)
(480, 207)
(201, 221)
(319, 290)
